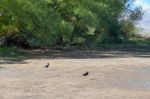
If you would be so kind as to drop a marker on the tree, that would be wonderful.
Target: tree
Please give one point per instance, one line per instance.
(50, 22)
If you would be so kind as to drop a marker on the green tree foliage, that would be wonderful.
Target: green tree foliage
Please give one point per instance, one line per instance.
(50, 22)
(32, 19)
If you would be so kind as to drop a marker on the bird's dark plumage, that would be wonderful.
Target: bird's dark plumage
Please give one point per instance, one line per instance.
(86, 74)
(46, 66)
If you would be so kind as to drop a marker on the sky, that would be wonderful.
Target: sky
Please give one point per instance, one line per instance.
(145, 23)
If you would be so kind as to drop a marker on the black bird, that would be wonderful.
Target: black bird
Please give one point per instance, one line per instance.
(86, 74)
(46, 66)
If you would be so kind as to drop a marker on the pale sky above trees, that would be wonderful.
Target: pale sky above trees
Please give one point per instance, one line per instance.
(145, 23)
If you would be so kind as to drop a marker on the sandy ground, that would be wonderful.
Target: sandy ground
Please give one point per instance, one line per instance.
(115, 75)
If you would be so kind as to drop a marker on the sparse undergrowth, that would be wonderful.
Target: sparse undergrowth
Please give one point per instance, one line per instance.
(134, 43)
(11, 52)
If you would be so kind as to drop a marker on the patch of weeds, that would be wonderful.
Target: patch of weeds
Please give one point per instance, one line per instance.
(13, 52)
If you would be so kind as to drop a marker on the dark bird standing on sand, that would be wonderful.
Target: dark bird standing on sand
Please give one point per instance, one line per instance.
(86, 74)
(46, 66)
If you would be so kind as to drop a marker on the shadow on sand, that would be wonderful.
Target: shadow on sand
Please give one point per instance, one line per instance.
(122, 52)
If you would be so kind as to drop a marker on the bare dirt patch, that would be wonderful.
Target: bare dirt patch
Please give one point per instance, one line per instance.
(112, 75)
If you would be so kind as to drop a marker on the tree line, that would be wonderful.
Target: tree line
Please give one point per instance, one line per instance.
(66, 22)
